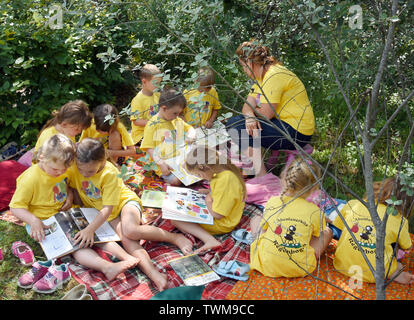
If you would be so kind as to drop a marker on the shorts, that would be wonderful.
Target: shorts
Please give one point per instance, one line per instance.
(135, 204)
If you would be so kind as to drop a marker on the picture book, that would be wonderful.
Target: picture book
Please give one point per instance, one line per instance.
(152, 198)
(185, 204)
(64, 225)
(213, 136)
(193, 270)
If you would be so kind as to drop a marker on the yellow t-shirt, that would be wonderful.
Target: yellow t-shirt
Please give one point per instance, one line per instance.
(147, 106)
(227, 194)
(289, 226)
(40, 193)
(283, 87)
(46, 134)
(163, 136)
(102, 189)
(347, 254)
(92, 133)
(197, 113)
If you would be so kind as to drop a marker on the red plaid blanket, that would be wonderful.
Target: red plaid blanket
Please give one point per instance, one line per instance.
(134, 284)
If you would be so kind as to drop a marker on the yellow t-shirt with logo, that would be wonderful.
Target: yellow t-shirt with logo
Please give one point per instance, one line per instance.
(48, 133)
(289, 226)
(163, 136)
(198, 112)
(358, 219)
(227, 194)
(147, 107)
(91, 132)
(104, 188)
(40, 193)
(283, 87)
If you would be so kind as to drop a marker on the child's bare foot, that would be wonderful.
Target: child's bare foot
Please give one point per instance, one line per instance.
(208, 245)
(404, 278)
(114, 269)
(182, 242)
(159, 279)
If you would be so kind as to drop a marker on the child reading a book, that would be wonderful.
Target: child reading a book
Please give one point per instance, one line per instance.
(70, 119)
(107, 128)
(166, 134)
(225, 200)
(99, 186)
(145, 103)
(202, 103)
(43, 190)
(293, 234)
(359, 220)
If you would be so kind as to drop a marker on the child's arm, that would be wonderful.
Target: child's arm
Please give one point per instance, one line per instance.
(209, 203)
(210, 121)
(86, 236)
(129, 151)
(36, 225)
(165, 168)
(69, 200)
(140, 122)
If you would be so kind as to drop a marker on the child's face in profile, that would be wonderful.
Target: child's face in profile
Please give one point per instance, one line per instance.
(52, 168)
(151, 84)
(170, 113)
(89, 169)
(71, 130)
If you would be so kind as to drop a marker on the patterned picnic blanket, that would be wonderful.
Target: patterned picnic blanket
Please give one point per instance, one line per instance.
(326, 284)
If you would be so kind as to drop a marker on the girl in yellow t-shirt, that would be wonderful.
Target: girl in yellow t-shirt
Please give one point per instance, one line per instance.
(70, 119)
(348, 257)
(293, 233)
(225, 200)
(107, 128)
(165, 133)
(42, 190)
(98, 185)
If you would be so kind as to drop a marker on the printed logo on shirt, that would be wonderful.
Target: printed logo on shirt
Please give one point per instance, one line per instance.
(90, 190)
(153, 110)
(365, 235)
(60, 191)
(287, 236)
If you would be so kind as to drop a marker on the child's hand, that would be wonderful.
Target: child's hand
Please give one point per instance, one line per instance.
(209, 199)
(69, 201)
(165, 168)
(37, 231)
(85, 237)
(204, 191)
(208, 124)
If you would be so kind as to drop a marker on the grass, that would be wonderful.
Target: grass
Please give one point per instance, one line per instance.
(11, 268)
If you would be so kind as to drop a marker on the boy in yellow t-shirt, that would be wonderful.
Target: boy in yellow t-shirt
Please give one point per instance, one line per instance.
(145, 104)
(165, 131)
(202, 103)
(110, 132)
(358, 218)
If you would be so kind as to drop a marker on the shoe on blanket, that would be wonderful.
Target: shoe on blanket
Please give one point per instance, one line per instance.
(56, 275)
(232, 269)
(77, 293)
(22, 251)
(39, 269)
(242, 235)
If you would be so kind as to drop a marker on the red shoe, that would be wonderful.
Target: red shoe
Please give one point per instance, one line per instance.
(22, 251)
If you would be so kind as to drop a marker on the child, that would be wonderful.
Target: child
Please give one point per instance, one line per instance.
(225, 200)
(71, 119)
(203, 113)
(165, 131)
(111, 132)
(99, 187)
(360, 223)
(294, 233)
(42, 190)
(145, 103)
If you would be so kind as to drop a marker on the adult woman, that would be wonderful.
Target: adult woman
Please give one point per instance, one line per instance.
(277, 105)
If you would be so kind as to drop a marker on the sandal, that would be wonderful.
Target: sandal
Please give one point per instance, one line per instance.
(233, 269)
(23, 252)
(242, 235)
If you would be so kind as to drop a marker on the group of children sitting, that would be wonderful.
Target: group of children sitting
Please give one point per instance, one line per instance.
(289, 238)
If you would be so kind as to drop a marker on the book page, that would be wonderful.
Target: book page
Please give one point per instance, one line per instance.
(214, 136)
(105, 232)
(152, 198)
(177, 165)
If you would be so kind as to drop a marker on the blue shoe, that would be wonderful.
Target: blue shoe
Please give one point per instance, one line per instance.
(242, 235)
(233, 269)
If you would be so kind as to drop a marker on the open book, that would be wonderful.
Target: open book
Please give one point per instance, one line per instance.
(185, 204)
(193, 270)
(63, 227)
(214, 136)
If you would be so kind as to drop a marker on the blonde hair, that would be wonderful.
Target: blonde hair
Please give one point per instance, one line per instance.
(204, 159)
(74, 112)
(206, 77)
(255, 52)
(299, 177)
(148, 71)
(58, 148)
(384, 190)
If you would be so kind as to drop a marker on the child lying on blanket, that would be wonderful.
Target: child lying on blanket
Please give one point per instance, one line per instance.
(225, 201)
(42, 190)
(97, 182)
(293, 233)
(360, 223)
